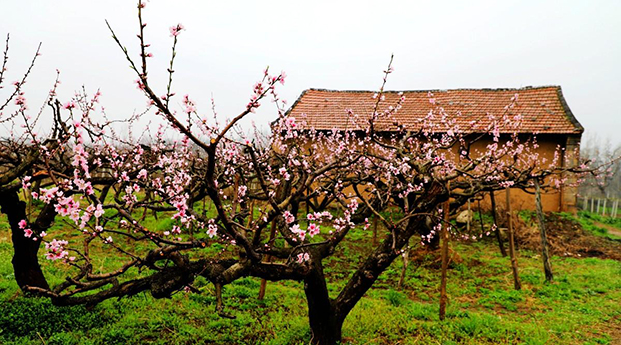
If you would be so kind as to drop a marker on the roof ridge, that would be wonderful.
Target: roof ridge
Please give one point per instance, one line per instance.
(441, 90)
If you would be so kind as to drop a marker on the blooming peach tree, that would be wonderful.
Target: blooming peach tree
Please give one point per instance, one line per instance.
(232, 199)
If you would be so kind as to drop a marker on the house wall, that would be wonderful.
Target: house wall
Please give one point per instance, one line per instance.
(553, 199)
(563, 199)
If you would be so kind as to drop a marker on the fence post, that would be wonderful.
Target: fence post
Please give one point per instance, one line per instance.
(514, 264)
(468, 219)
(547, 268)
(445, 240)
(498, 237)
(586, 203)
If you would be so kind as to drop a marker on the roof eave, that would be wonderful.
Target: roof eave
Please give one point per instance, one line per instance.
(578, 129)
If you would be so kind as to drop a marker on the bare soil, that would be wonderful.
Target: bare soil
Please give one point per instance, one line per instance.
(611, 229)
(567, 238)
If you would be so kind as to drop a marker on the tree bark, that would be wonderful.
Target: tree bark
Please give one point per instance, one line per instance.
(547, 267)
(498, 237)
(25, 261)
(374, 240)
(406, 259)
(268, 259)
(104, 193)
(514, 265)
(326, 326)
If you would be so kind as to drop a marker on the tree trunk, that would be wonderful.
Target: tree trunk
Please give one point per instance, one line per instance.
(25, 261)
(547, 268)
(514, 265)
(326, 326)
(498, 237)
(104, 193)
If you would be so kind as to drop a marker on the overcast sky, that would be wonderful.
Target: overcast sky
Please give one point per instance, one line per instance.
(326, 44)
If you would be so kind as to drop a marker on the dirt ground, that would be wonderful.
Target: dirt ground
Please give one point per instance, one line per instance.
(567, 238)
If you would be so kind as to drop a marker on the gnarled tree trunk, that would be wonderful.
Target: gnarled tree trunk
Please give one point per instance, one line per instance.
(25, 261)
(324, 322)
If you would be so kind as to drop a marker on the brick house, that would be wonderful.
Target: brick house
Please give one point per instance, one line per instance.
(544, 110)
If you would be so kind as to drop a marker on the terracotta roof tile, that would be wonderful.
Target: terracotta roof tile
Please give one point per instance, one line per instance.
(543, 109)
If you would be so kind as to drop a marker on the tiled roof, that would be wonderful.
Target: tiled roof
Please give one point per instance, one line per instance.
(543, 109)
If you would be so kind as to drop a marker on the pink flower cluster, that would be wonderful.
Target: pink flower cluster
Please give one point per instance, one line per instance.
(27, 231)
(176, 30)
(212, 228)
(303, 257)
(56, 250)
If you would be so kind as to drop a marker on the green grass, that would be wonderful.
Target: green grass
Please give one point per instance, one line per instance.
(588, 220)
(581, 307)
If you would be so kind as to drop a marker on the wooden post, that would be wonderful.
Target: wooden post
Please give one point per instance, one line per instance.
(404, 269)
(604, 207)
(592, 204)
(514, 264)
(598, 200)
(586, 203)
(498, 237)
(468, 218)
(445, 244)
(268, 259)
(547, 268)
(374, 241)
(480, 214)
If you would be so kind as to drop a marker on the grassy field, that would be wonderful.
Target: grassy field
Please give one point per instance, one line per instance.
(583, 305)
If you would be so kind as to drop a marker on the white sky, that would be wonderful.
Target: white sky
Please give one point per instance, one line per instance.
(326, 44)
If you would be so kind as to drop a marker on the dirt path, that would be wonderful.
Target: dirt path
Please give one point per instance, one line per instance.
(611, 230)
